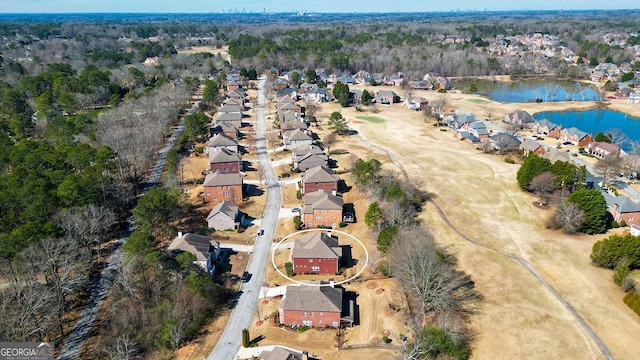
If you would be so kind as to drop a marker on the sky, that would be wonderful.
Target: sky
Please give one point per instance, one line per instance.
(207, 6)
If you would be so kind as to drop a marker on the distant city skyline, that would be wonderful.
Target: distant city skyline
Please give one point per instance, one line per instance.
(327, 6)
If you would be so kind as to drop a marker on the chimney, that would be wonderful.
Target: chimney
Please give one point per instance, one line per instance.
(305, 355)
(179, 234)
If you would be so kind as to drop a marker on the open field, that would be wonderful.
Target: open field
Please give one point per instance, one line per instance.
(519, 318)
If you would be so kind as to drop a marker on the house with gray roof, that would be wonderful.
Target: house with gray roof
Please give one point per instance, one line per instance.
(603, 150)
(319, 178)
(234, 119)
(206, 251)
(296, 138)
(322, 209)
(316, 253)
(311, 306)
(546, 127)
(576, 136)
(281, 353)
(221, 141)
(532, 147)
(224, 216)
(386, 97)
(623, 208)
(504, 141)
(522, 118)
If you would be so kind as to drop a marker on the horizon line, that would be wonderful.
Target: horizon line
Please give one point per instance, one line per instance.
(312, 12)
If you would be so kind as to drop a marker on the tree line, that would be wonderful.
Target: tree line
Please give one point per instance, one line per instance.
(441, 298)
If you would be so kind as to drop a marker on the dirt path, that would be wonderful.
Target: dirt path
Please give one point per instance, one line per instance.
(592, 333)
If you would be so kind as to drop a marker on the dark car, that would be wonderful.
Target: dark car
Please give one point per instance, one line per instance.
(245, 277)
(260, 232)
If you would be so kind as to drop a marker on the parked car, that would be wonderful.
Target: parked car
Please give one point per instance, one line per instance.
(260, 232)
(245, 277)
(296, 210)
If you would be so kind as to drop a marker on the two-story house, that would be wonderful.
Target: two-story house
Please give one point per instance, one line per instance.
(219, 187)
(319, 178)
(322, 208)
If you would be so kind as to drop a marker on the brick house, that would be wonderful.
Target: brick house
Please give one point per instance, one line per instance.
(319, 178)
(225, 161)
(219, 187)
(603, 150)
(232, 85)
(530, 146)
(522, 118)
(316, 253)
(313, 306)
(225, 128)
(321, 209)
(230, 108)
(623, 208)
(222, 141)
(575, 136)
(546, 127)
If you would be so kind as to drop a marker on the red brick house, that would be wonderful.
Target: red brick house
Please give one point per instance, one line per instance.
(319, 178)
(225, 128)
(322, 209)
(530, 146)
(223, 186)
(313, 306)
(316, 253)
(232, 85)
(576, 136)
(546, 127)
(623, 208)
(225, 161)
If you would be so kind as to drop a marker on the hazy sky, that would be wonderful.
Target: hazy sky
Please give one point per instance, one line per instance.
(205, 6)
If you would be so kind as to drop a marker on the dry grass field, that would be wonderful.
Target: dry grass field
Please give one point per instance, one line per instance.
(519, 318)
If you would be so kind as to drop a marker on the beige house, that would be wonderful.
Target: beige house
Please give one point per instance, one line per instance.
(206, 251)
(224, 216)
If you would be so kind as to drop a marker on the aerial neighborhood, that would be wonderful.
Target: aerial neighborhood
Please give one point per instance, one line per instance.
(295, 186)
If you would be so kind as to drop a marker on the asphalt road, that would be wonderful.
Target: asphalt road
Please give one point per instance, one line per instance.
(242, 313)
(100, 287)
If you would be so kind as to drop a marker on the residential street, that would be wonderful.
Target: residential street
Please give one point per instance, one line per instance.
(242, 313)
(100, 286)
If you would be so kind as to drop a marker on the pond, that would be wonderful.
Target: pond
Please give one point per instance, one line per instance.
(530, 90)
(596, 120)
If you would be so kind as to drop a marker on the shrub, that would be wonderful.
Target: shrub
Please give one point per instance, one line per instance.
(628, 284)
(386, 339)
(384, 268)
(246, 340)
(621, 272)
(614, 224)
(289, 268)
(285, 175)
(509, 160)
(200, 150)
(622, 223)
(342, 224)
(298, 195)
(608, 252)
(302, 329)
(297, 222)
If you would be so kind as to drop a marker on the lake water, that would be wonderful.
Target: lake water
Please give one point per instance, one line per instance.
(596, 120)
(530, 90)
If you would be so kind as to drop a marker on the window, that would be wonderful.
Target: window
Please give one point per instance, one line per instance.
(318, 217)
(226, 193)
(226, 169)
(307, 323)
(311, 314)
(315, 269)
(321, 313)
(304, 313)
(310, 224)
(208, 194)
(333, 323)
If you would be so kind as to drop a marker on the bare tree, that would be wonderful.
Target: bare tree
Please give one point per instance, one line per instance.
(87, 225)
(260, 173)
(618, 137)
(63, 266)
(436, 108)
(328, 141)
(607, 167)
(488, 111)
(28, 312)
(486, 146)
(429, 275)
(124, 347)
(543, 185)
(399, 213)
(568, 216)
